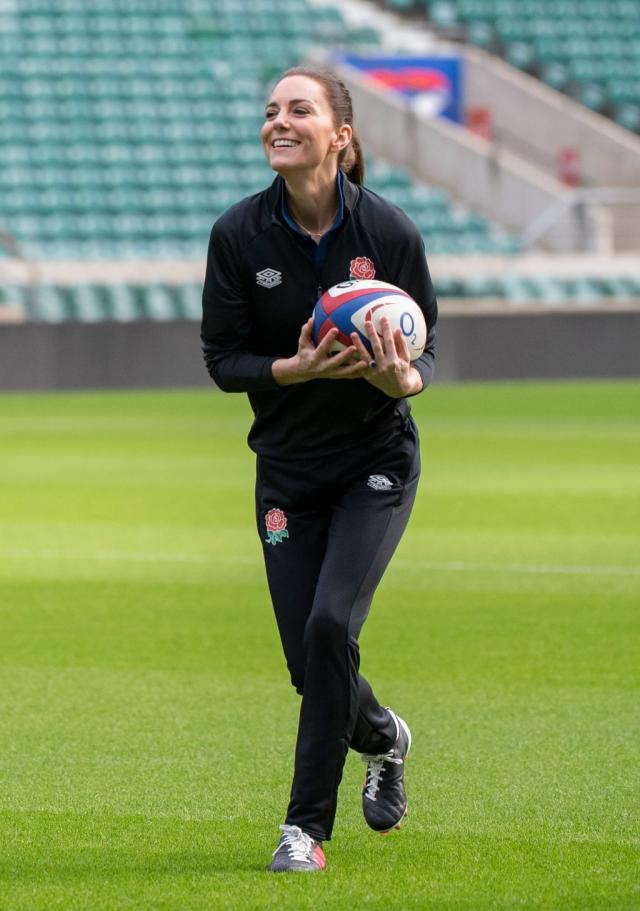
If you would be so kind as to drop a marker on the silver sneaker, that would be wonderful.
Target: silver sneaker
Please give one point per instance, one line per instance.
(297, 852)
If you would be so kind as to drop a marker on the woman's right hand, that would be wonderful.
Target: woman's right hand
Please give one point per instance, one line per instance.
(313, 362)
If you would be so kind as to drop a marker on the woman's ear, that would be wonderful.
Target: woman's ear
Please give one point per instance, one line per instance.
(343, 138)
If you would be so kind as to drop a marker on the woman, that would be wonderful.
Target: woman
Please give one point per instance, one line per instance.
(337, 463)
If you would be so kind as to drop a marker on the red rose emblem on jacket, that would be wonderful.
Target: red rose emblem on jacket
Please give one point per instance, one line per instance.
(276, 520)
(361, 267)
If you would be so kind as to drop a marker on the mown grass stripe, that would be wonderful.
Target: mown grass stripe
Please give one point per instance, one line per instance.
(123, 556)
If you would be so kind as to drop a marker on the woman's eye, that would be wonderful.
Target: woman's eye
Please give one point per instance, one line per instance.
(269, 114)
(301, 111)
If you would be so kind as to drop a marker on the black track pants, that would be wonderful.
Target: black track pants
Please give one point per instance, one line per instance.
(329, 528)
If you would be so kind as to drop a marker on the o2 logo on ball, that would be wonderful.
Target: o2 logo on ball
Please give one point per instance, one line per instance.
(408, 327)
(405, 322)
(276, 524)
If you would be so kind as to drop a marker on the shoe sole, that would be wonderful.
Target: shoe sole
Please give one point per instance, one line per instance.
(296, 870)
(397, 825)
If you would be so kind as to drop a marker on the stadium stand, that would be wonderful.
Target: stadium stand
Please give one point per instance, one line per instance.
(589, 49)
(128, 126)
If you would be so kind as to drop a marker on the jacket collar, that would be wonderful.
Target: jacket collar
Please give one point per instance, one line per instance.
(349, 191)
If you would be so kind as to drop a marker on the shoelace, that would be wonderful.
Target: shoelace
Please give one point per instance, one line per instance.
(299, 844)
(375, 767)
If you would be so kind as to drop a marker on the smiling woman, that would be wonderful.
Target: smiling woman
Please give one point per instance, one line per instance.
(338, 465)
(301, 132)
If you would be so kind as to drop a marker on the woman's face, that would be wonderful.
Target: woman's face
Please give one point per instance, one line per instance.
(299, 132)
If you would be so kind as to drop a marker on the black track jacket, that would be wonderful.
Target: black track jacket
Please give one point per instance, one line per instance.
(261, 285)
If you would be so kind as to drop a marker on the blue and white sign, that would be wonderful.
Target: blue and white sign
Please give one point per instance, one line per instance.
(434, 82)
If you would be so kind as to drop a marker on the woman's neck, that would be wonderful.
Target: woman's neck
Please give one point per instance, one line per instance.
(312, 201)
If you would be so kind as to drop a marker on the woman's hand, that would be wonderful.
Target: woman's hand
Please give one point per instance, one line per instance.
(390, 369)
(315, 363)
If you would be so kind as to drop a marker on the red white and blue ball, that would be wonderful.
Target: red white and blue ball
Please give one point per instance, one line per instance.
(349, 304)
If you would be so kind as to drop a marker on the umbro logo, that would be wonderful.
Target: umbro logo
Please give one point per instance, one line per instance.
(379, 482)
(269, 278)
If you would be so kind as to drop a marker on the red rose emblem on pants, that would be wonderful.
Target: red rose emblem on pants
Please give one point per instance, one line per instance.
(276, 524)
(361, 267)
(276, 520)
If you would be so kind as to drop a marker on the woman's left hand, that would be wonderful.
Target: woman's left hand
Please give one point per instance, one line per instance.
(390, 368)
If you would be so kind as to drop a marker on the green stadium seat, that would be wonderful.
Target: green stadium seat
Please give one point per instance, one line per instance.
(628, 116)
(189, 301)
(123, 305)
(623, 91)
(400, 6)
(443, 14)
(87, 304)
(51, 305)
(13, 296)
(159, 303)
(363, 37)
(482, 286)
(555, 75)
(592, 95)
(520, 54)
(482, 34)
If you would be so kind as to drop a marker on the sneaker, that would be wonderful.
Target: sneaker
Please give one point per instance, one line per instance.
(297, 852)
(384, 800)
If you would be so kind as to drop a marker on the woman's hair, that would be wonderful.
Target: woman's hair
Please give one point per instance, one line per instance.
(350, 159)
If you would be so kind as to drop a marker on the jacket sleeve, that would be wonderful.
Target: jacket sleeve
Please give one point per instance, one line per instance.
(226, 322)
(414, 278)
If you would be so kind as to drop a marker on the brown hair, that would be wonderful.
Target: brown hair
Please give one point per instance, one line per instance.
(350, 159)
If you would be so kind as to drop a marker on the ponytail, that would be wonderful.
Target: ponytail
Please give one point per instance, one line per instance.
(351, 161)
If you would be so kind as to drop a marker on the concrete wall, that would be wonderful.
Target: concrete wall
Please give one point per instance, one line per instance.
(482, 345)
(534, 121)
(100, 355)
(530, 345)
(493, 181)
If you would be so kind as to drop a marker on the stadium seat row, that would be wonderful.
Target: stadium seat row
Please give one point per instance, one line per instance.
(127, 302)
(541, 288)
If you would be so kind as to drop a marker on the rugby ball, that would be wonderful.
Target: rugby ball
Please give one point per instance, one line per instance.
(349, 304)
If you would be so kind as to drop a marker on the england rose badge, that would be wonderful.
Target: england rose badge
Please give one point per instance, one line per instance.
(276, 524)
(362, 268)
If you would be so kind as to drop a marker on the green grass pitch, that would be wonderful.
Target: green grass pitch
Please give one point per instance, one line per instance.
(146, 719)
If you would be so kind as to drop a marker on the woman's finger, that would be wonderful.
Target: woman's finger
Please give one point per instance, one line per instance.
(306, 333)
(402, 349)
(324, 347)
(376, 343)
(343, 357)
(348, 371)
(387, 337)
(363, 351)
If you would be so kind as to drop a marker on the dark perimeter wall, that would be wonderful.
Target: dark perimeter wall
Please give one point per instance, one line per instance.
(478, 346)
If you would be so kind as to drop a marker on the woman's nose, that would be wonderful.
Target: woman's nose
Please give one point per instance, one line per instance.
(281, 121)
